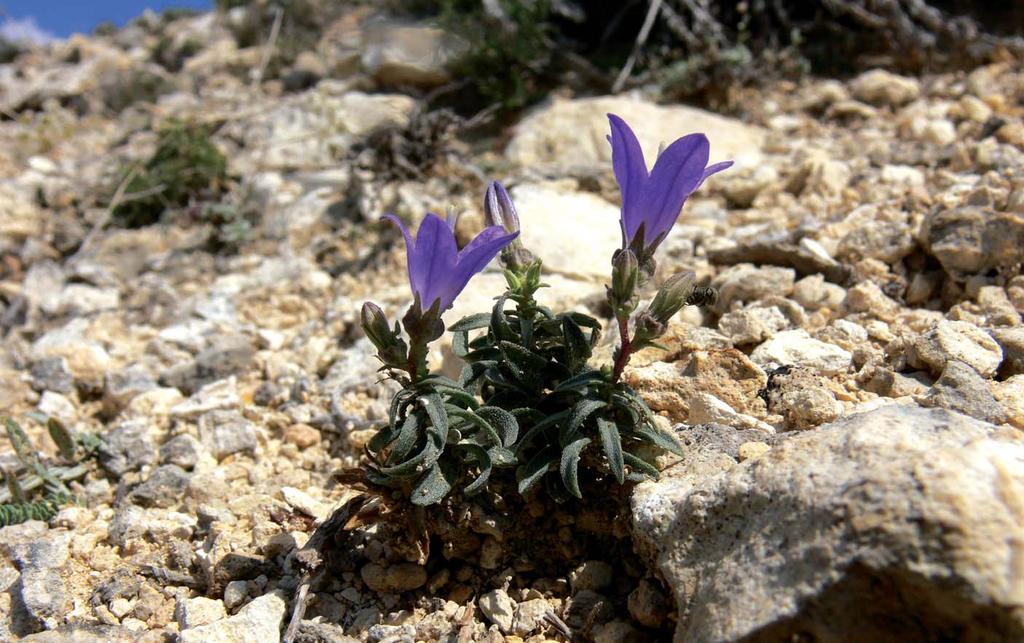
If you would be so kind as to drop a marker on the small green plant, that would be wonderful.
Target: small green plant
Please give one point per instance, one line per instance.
(185, 167)
(37, 490)
(528, 398)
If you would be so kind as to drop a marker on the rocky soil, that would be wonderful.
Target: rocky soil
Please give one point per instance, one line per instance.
(852, 406)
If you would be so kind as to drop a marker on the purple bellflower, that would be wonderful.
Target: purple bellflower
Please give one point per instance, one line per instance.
(651, 201)
(438, 270)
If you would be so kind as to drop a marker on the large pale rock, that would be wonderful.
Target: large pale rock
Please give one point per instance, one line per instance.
(897, 524)
(574, 233)
(955, 340)
(260, 620)
(571, 133)
(974, 239)
(309, 129)
(401, 55)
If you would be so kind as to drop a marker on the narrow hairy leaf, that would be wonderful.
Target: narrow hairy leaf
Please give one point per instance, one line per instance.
(580, 380)
(533, 471)
(418, 463)
(569, 465)
(642, 467)
(499, 327)
(435, 408)
(472, 322)
(526, 331)
(660, 438)
(577, 346)
(539, 427)
(503, 421)
(62, 437)
(583, 410)
(611, 443)
(431, 488)
(406, 440)
(523, 358)
(460, 344)
(477, 421)
(501, 457)
(483, 461)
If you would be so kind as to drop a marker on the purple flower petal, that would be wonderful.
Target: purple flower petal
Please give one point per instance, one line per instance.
(630, 172)
(474, 258)
(435, 257)
(410, 246)
(713, 169)
(676, 174)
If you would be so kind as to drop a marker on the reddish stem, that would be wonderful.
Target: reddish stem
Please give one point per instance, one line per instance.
(622, 359)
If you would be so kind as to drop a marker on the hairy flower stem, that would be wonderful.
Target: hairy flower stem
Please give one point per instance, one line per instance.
(625, 349)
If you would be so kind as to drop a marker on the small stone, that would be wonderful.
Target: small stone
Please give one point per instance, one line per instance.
(394, 579)
(52, 374)
(218, 395)
(301, 435)
(648, 604)
(706, 408)
(40, 559)
(123, 385)
(226, 432)
(752, 325)
(618, 632)
(880, 87)
(530, 616)
(814, 293)
(260, 621)
(58, 407)
(498, 608)
(165, 487)
(235, 592)
(193, 612)
(381, 633)
(753, 450)
(747, 283)
(867, 297)
(961, 389)
(1011, 395)
(1011, 341)
(302, 501)
(885, 382)
(128, 447)
(803, 399)
(592, 575)
(120, 607)
(955, 340)
(974, 239)
(798, 348)
(182, 450)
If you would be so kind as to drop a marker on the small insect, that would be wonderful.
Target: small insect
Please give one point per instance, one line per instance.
(702, 296)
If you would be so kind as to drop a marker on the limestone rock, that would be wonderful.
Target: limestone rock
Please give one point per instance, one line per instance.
(961, 389)
(873, 527)
(955, 340)
(499, 609)
(571, 133)
(403, 55)
(260, 620)
(881, 87)
(973, 239)
(798, 348)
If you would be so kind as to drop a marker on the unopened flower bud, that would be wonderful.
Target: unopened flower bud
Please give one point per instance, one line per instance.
(499, 209)
(672, 296)
(625, 275)
(375, 325)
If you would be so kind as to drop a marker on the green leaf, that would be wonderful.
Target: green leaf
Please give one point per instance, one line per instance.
(503, 421)
(580, 380)
(534, 470)
(14, 487)
(499, 327)
(642, 467)
(472, 322)
(526, 330)
(537, 428)
(458, 394)
(408, 435)
(569, 465)
(62, 437)
(577, 346)
(660, 438)
(483, 460)
(611, 443)
(502, 457)
(435, 408)
(420, 462)
(476, 420)
(524, 358)
(432, 487)
(460, 344)
(583, 410)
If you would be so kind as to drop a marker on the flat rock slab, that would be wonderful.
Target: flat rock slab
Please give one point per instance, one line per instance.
(896, 524)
